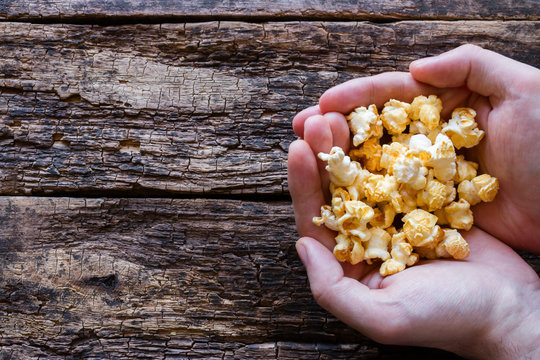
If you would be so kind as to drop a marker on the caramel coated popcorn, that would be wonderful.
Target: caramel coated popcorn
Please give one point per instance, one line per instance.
(398, 201)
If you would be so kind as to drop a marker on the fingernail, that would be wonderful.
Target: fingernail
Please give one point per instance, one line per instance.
(423, 61)
(302, 252)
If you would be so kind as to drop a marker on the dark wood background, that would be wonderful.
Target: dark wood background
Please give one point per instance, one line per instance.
(144, 209)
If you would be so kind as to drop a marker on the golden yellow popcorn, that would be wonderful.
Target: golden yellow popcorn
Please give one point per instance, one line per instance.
(459, 215)
(452, 245)
(369, 154)
(465, 170)
(481, 188)
(421, 229)
(402, 255)
(364, 123)
(462, 128)
(418, 174)
(427, 110)
(348, 248)
(395, 116)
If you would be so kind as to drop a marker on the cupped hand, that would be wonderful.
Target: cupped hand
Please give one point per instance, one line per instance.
(483, 305)
(504, 94)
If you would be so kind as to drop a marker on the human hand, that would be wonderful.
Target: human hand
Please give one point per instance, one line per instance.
(504, 94)
(474, 307)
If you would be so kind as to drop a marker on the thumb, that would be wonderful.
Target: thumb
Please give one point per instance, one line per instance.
(348, 299)
(484, 72)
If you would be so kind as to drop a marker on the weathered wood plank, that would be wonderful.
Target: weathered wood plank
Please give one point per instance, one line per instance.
(340, 9)
(191, 108)
(197, 278)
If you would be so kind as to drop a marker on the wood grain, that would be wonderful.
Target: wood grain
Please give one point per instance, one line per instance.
(147, 277)
(201, 108)
(91, 10)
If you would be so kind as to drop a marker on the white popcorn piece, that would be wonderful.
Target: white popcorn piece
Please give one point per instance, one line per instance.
(402, 256)
(395, 116)
(410, 170)
(427, 110)
(421, 228)
(364, 123)
(377, 246)
(327, 218)
(459, 215)
(462, 128)
(341, 169)
(452, 245)
(443, 158)
(480, 188)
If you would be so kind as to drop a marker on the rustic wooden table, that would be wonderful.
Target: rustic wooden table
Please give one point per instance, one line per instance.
(144, 209)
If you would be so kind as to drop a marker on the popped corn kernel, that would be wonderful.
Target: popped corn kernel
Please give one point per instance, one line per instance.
(421, 228)
(348, 248)
(453, 245)
(383, 188)
(342, 170)
(443, 158)
(390, 154)
(377, 246)
(462, 128)
(395, 116)
(465, 170)
(434, 196)
(409, 169)
(354, 221)
(427, 110)
(327, 218)
(369, 154)
(401, 256)
(481, 188)
(364, 123)
(384, 216)
(459, 215)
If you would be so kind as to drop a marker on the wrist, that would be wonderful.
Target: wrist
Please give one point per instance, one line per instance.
(513, 328)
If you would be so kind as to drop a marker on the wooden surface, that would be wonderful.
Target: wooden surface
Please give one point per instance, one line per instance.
(144, 208)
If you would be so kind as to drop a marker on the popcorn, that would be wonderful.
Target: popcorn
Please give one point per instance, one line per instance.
(416, 174)
(459, 215)
(342, 170)
(364, 123)
(421, 229)
(427, 110)
(370, 154)
(395, 116)
(402, 255)
(465, 170)
(481, 188)
(462, 128)
(377, 247)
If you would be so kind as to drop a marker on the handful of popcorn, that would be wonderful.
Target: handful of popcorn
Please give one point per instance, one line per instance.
(417, 174)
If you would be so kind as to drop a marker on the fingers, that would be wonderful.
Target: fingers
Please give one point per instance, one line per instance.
(340, 130)
(482, 71)
(376, 90)
(301, 117)
(318, 134)
(305, 188)
(349, 300)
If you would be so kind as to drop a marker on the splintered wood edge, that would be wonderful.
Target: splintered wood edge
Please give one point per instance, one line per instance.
(66, 10)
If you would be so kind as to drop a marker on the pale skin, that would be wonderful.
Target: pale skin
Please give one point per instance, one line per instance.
(486, 306)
